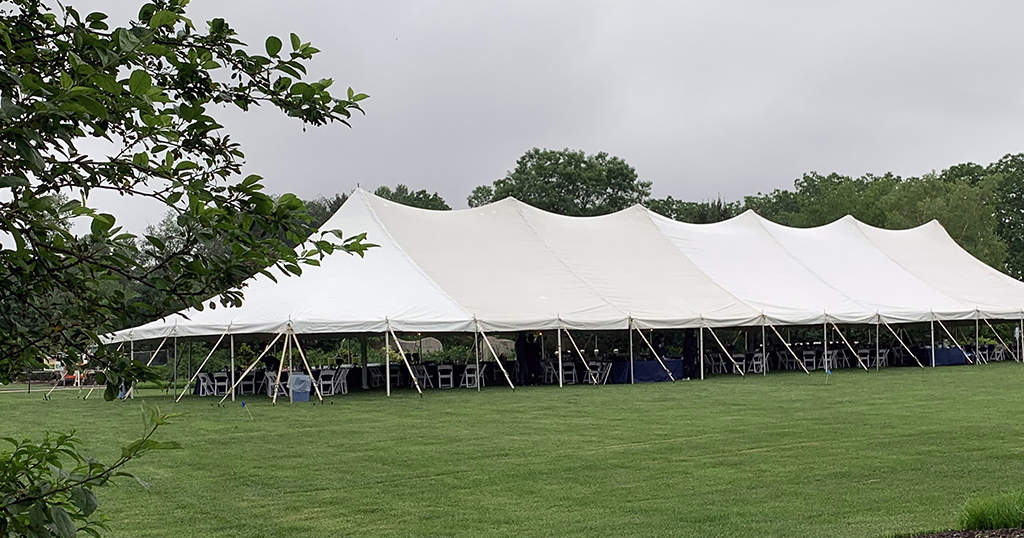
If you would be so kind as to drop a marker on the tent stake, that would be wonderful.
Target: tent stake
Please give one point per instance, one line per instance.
(955, 342)
(577, 348)
(901, 342)
(496, 359)
(253, 365)
(736, 366)
(401, 351)
(661, 362)
(789, 349)
(848, 346)
(200, 369)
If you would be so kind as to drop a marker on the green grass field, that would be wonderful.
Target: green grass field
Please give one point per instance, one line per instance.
(870, 454)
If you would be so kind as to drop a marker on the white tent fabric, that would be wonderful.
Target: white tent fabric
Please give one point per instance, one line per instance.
(508, 266)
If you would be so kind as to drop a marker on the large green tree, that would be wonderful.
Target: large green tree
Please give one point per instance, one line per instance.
(1008, 173)
(421, 198)
(568, 182)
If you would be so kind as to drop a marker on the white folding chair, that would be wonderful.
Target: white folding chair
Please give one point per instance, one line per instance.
(550, 374)
(326, 382)
(810, 358)
(865, 357)
(422, 376)
(248, 383)
(206, 385)
(883, 358)
(274, 383)
(445, 376)
(716, 363)
(569, 373)
(221, 383)
(341, 381)
(376, 376)
(756, 363)
(739, 363)
(470, 377)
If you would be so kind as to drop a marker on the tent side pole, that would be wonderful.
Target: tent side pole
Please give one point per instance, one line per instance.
(286, 348)
(898, 339)
(496, 359)
(253, 365)
(200, 369)
(1020, 347)
(878, 348)
(232, 367)
(958, 346)
(577, 348)
(977, 335)
(848, 346)
(655, 353)
(302, 354)
(700, 344)
(932, 325)
(764, 346)
(560, 371)
(476, 346)
(824, 342)
(174, 374)
(789, 349)
(387, 363)
(735, 364)
(415, 382)
(632, 379)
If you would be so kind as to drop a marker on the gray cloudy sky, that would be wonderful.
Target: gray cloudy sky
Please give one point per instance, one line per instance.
(702, 98)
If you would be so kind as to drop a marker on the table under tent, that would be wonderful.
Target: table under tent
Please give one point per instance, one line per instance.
(508, 267)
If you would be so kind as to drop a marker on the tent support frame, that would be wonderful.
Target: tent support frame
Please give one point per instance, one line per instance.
(577, 348)
(253, 365)
(958, 346)
(789, 349)
(1000, 339)
(298, 346)
(661, 362)
(200, 369)
(900, 340)
(848, 346)
(496, 359)
(405, 359)
(736, 365)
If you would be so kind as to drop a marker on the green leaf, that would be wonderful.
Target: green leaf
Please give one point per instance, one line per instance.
(141, 159)
(139, 82)
(62, 524)
(84, 499)
(163, 17)
(296, 42)
(273, 45)
(13, 181)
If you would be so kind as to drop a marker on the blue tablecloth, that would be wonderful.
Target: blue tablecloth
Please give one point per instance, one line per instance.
(944, 356)
(646, 371)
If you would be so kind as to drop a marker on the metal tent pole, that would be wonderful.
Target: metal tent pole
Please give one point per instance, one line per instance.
(701, 344)
(764, 346)
(477, 343)
(932, 324)
(387, 363)
(174, 376)
(977, 335)
(632, 379)
(824, 341)
(254, 363)
(878, 348)
(900, 340)
(232, 337)
(200, 369)
(560, 371)
(655, 353)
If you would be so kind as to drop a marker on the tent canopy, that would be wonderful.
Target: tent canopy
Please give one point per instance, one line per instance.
(508, 266)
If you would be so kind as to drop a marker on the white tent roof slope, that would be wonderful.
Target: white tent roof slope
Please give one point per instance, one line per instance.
(509, 266)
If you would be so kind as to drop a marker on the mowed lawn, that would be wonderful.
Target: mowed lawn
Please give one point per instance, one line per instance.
(869, 454)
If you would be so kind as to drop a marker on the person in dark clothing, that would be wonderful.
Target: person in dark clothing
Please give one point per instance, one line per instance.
(533, 360)
(522, 353)
(271, 363)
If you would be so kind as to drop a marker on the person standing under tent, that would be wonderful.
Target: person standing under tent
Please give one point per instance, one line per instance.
(522, 353)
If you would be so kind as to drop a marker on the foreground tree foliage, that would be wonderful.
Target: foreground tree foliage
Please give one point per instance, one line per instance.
(142, 93)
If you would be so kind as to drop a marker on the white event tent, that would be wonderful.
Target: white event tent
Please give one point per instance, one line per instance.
(508, 266)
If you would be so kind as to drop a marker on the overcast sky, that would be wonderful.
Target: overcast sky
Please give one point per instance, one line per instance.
(703, 98)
